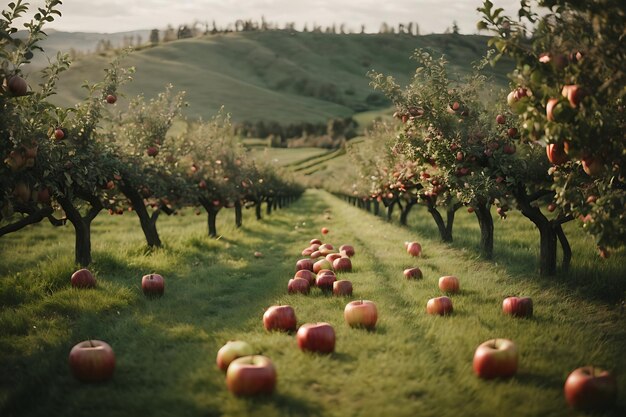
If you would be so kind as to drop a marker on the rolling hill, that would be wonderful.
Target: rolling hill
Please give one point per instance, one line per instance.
(281, 76)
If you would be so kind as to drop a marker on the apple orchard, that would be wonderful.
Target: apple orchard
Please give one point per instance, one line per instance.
(550, 148)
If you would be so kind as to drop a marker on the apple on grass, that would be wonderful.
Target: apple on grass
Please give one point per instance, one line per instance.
(518, 306)
(348, 250)
(251, 375)
(321, 264)
(439, 305)
(449, 284)
(316, 337)
(83, 278)
(298, 285)
(92, 361)
(324, 230)
(413, 248)
(361, 313)
(325, 282)
(332, 256)
(232, 350)
(590, 388)
(315, 242)
(306, 274)
(326, 248)
(153, 285)
(304, 264)
(496, 358)
(343, 264)
(413, 273)
(342, 287)
(280, 318)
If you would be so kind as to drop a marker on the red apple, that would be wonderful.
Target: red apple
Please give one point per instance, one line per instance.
(573, 93)
(347, 250)
(111, 98)
(316, 254)
(153, 285)
(414, 248)
(590, 388)
(439, 305)
(152, 151)
(251, 375)
(551, 207)
(232, 350)
(83, 278)
(280, 318)
(327, 248)
(17, 86)
(512, 132)
(449, 284)
(332, 256)
(325, 272)
(556, 153)
(500, 119)
(592, 166)
(361, 313)
(496, 358)
(509, 149)
(306, 274)
(298, 285)
(413, 273)
(342, 287)
(92, 361)
(304, 264)
(324, 231)
(59, 134)
(518, 306)
(550, 108)
(316, 337)
(342, 264)
(325, 282)
(307, 252)
(315, 242)
(321, 264)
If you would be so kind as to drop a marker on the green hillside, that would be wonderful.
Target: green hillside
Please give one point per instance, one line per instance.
(287, 77)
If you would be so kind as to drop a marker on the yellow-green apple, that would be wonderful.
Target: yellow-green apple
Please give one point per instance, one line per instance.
(298, 285)
(361, 313)
(280, 318)
(251, 375)
(325, 282)
(413, 248)
(449, 284)
(325, 230)
(343, 264)
(590, 388)
(518, 306)
(348, 250)
(439, 305)
(232, 350)
(83, 278)
(496, 358)
(306, 274)
(304, 264)
(316, 337)
(556, 153)
(342, 287)
(413, 273)
(153, 285)
(321, 264)
(92, 361)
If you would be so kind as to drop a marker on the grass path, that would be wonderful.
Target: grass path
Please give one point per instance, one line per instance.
(413, 364)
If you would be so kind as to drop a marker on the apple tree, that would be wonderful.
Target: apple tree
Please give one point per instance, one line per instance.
(568, 93)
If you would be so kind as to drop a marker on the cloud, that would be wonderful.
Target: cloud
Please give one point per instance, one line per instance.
(121, 15)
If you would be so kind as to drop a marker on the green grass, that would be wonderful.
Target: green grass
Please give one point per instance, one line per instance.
(276, 76)
(413, 364)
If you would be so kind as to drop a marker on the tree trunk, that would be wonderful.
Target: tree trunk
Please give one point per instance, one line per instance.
(148, 223)
(445, 232)
(567, 249)
(212, 216)
(485, 221)
(268, 209)
(450, 213)
(257, 210)
(376, 208)
(390, 210)
(404, 214)
(82, 229)
(368, 206)
(238, 214)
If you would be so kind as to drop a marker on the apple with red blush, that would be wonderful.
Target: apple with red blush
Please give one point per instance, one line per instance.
(281, 318)
(316, 337)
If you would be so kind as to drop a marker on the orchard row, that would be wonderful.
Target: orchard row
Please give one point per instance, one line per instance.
(69, 164)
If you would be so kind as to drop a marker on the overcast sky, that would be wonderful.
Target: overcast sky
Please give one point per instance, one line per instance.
(124, 15)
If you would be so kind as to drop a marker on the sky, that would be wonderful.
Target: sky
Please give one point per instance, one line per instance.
(107, 16)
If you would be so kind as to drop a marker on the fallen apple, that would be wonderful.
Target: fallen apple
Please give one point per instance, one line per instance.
(307, 275)
(361, 313)
(449, 284)
(321, 264)
(496, 358)
(232, 350)
(83, 278)
(153, 285)
(342, 288)
(298, 285)
(413, 248)
(280, 318)
(92, 361)
(316, 337)
(325, 282)
(304, 264)
(251, 375)
(347, 250)
(413, 273)
(342, 264)
(518, 306)
(439, 305)
(590, 388)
